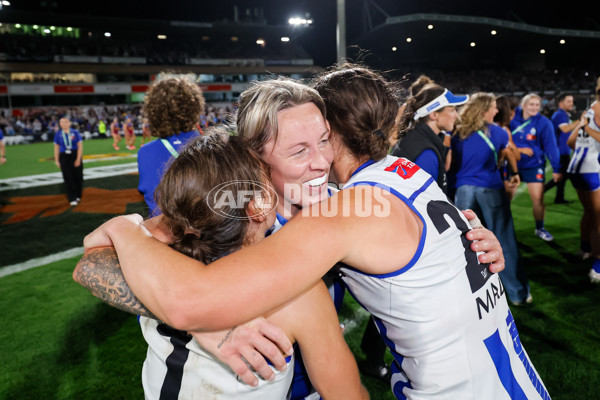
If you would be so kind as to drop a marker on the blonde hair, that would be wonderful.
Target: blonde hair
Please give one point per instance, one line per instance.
(259, 105)
(471, 115)
(528, 97)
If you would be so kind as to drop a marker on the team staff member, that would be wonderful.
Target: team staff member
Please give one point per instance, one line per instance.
(427, 115)
(2, 148)
(68, 153)
(173, 107)
(531, 129)
(561, 119)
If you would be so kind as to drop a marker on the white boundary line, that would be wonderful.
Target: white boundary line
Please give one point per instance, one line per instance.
(38, 262)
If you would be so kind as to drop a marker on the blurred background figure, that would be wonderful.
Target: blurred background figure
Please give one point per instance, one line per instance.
(115, 132)
(584, 170)
(477, 147)
(101, 128)
(146, 136)
(68, 154)
(561, 119)
(506, 111)
(129, 134)
(173, 107)
(2, 148)
(531, 129)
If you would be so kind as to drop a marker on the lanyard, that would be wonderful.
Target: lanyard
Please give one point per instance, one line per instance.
(67, 141)
(169, 147)
(489, 143)
(521, 127)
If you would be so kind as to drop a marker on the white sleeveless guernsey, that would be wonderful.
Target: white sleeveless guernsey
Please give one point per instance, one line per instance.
(176, 367)
(587, 150)
(444, 316)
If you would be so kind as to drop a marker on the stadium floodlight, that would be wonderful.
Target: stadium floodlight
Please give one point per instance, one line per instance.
(46, 30)
(297, 21)
(52, 28)
(394, 48)
(493, 32)
(107, 34)
(6, 3)
(161, 37)
(35, 27)
(69, 29)
(542, 51)
(17, 25)
(409, 39)
(473, 44)
(260, 42)
(285, 39)
(430, 27)
(562, 41)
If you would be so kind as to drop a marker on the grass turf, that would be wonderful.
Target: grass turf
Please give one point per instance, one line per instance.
(60, 342)
(38, 158)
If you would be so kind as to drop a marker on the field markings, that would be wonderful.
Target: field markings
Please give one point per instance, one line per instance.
(38, 262)
(53, 178)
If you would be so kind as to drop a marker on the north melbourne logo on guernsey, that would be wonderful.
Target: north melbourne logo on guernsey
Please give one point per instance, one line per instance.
(404, 168)
(229, 198)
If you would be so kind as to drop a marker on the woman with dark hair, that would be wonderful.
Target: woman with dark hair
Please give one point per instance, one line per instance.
(173, 107)
(430, 112)
(206, 228)
(583, 171)
(506, 111)
(442, 313)
(478, 145)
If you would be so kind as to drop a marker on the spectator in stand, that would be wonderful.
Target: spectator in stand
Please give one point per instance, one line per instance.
(506, 111)
(584, 170)
(561, 119)
(129, 134)
(477, 146)
(173, 107)
(430, 112)
(2, 148)
(531, 129)
(68, 154)
(114, 131)
(145, 131)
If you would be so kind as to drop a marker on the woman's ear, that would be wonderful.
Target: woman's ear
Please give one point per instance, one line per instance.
(256, 213)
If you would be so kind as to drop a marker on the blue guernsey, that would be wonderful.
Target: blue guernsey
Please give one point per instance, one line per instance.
(475, 159)
(536, 133)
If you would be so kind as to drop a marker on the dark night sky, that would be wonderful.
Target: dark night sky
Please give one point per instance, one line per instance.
(320, 39)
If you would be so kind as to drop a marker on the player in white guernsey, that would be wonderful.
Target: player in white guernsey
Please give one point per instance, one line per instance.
(308, 245)
(584, 172)
(176, 366)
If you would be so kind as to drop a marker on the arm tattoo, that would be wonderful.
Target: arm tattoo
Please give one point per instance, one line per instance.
(99, 271)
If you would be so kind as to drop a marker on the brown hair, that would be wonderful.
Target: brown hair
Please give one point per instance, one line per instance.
(427, 93)
(184, 194)
(419, 84)
(471, 115)
(505, 107)
(173, 105)
(361, 107)
(260, 103)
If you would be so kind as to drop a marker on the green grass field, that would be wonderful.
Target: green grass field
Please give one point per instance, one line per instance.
(38, 158)
(59, 342)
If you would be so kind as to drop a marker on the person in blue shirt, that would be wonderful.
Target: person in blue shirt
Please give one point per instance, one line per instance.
(478, 145)
(531, 129)
(173, 107)
(561, 119)
(68, 154)
(428, 114)
(2, 148)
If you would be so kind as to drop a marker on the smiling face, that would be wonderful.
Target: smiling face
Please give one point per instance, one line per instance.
(531, 107)
(300, 158)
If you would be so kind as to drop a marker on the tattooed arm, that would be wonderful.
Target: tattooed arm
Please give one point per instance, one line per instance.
(99, 271)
